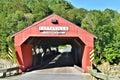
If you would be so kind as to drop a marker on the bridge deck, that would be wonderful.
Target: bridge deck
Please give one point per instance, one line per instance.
(63, 73)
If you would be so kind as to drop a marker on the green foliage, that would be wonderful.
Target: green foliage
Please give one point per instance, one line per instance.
(18, 14)
(105, 36)
(105, 25)
(63, 46)
(76, 15)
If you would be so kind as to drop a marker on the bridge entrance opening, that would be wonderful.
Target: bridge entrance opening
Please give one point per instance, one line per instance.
(50, 52)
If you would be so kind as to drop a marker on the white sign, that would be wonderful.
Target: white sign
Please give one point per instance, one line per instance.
(53, 28)
(53, 32)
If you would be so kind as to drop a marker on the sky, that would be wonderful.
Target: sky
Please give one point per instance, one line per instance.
(96, 4)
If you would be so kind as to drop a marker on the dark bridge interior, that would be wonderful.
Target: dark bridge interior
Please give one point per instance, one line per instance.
(56, 51)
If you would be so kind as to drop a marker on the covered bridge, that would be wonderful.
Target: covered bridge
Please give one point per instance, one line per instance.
(51, 32)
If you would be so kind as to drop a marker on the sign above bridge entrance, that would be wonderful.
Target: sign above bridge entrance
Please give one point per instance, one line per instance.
(53, 29)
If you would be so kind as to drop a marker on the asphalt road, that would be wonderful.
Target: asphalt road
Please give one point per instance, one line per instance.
(63, 73)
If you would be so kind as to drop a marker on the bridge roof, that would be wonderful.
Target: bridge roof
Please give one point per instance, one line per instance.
(52, 26)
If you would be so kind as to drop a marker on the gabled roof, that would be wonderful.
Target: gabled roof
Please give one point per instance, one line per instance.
(34, 30)
(46, 19)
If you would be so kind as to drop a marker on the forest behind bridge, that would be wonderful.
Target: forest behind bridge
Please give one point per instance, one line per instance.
(18, 14)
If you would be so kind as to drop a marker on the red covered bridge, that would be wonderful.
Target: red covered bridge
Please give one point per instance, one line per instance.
(32, 42)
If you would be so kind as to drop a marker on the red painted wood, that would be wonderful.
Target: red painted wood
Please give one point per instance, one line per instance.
(27, 55)
(33, 31)
(19, 56)
(24, 56)
(86, 58)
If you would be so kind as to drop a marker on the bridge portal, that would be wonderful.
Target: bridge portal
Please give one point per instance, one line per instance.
(53, 42)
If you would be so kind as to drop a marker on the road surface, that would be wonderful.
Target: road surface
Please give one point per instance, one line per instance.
(63, 73)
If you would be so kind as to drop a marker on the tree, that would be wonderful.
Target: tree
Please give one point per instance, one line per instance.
(76, 15)
(101, 24)
(112, 52)
(18, 14)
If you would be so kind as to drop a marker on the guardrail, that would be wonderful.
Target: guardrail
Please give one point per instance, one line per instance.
(5, 70)
(100, 75)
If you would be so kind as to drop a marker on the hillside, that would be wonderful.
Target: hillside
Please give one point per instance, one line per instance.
(18, 14)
